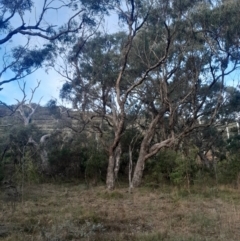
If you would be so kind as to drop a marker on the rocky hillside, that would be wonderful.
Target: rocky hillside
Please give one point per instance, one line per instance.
(44, 118)
(49, 119)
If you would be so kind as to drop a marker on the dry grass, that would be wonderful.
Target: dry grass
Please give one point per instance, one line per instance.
(72, 212)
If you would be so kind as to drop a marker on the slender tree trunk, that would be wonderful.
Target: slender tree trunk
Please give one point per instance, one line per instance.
(113, 166)
(138, 171)
(113, 150)
(118, 153)
(110, 172)
(130, 167)
(44, 155)
(45, 163)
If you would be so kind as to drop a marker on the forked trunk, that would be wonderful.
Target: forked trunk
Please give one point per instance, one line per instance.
(114, 157)
(110, 173)
(45, 168)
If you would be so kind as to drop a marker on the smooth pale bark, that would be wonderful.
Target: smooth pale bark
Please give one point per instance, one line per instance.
(44, 158)
(22, 104)
(118, 154)
(145, 155)
(138, 171)
(130, 167)
(113, 166)
(110, 173)
(113, 150)
(135, 24)
(26, 117)
(43, 153)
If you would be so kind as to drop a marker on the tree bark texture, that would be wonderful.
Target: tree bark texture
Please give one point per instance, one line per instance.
(138, 171)
(118, 153)
(110, 173)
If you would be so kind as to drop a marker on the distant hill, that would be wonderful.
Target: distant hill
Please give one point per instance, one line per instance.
(49, 119)
(46, 119)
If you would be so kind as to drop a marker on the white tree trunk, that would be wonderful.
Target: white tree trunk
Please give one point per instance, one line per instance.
(43, 153)
(110, 173)
(118, 153)
(139, 168)
(130, 168)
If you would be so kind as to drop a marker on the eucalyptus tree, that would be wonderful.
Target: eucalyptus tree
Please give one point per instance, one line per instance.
(134, 18)
(170, 63)
(180, 64)
(91, 88)
(190, 84)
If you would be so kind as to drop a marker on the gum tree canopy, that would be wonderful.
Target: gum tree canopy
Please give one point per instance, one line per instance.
(167, 68)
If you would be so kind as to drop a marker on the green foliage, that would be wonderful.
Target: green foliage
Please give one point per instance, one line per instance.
(132, 137)
(186, 168)
(99, 6)
(77, 159)
(96, 165)
(66, 162)
(12, 7)
(27, 171)
(18, 156)
(29, 60)
(170, 67)
(159, 169)
(229, 168)
(100, 61)
(205, 177)
(233, 144)
(173, 167)
(53, 108)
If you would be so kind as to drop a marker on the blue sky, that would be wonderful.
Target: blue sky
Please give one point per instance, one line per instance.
(51, 81)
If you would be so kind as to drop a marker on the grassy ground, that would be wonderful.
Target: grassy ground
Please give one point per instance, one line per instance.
(72, 212)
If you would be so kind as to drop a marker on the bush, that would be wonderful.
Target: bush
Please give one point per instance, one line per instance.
(172, 167)
(95, 166)
(66, 162)
(229, 170)
(159, 169)
(27, 171)
(81, 162)
(17, 153)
